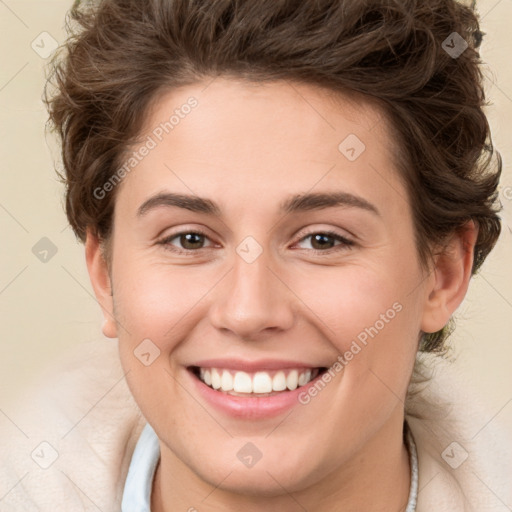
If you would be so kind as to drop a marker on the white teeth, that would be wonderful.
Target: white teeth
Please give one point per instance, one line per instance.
(259, 382)
(216, 381)
(304, 378)
(206, 376)
(292, 380)
(226, 383)
(279, 382)
(242, 383)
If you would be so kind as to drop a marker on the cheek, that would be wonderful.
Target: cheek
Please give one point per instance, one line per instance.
(372, 320)
(354, 303)
(153, 304)
(153, 300)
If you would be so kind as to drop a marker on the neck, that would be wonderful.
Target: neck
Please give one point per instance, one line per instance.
(377, 478)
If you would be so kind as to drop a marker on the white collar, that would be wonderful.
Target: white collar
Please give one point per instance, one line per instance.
(139, 480)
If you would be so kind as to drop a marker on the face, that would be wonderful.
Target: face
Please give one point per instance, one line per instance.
(292, 251)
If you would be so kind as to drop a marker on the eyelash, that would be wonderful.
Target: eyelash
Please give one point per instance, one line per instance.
(344, 245)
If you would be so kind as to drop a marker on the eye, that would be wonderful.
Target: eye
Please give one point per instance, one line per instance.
(190, 241)
(324, 241)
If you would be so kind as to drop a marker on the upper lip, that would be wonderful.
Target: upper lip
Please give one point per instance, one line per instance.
(252, 366)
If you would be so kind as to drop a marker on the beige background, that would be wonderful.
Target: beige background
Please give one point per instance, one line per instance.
(47, 308)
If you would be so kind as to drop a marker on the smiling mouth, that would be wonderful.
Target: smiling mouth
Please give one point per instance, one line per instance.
(255, 384)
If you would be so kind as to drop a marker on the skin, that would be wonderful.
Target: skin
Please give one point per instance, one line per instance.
(248, 147)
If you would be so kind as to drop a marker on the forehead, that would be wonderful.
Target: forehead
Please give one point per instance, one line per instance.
(278, 137)
(277, 103)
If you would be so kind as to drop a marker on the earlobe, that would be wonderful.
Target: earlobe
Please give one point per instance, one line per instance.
(450, 278)
(100, 280)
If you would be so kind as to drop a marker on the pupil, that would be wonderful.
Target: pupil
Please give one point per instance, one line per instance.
(188, 240)
(317, 238)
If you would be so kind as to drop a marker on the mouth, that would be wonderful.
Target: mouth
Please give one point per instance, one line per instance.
(255, 384)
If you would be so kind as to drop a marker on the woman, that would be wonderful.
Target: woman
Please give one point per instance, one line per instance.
(282, 205)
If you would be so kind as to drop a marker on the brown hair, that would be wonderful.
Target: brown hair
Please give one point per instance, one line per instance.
(122, 53)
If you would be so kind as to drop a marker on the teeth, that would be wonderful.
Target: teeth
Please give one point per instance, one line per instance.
(206, 376)
(258, 382)
(242, 383)
(292, 381)
(216, 380)
(262, 383)
(226, 382)
(279, 381)
(304, 378)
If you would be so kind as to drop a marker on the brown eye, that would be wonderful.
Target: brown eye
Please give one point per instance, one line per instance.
(324, 241)
(191, 240)
(188, 241)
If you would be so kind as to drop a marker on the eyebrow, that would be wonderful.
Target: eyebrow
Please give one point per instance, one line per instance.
(293, 204)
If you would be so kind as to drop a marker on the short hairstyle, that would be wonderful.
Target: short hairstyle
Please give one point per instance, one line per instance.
(121, 54)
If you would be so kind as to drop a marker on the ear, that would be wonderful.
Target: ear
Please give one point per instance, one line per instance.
(100, 279)
(450, 278)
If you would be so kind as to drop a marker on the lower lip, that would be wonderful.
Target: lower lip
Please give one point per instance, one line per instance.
(251, 407)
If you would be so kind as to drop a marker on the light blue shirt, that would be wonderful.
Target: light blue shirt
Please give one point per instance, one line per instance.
(139, 480)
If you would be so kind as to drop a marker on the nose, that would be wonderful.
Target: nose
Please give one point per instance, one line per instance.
(253, 301)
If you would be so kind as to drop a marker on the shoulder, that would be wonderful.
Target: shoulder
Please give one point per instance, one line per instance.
(464, 454)
(69, 442)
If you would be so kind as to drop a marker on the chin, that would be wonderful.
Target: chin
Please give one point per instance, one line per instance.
(260, 483)
(268, 477)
